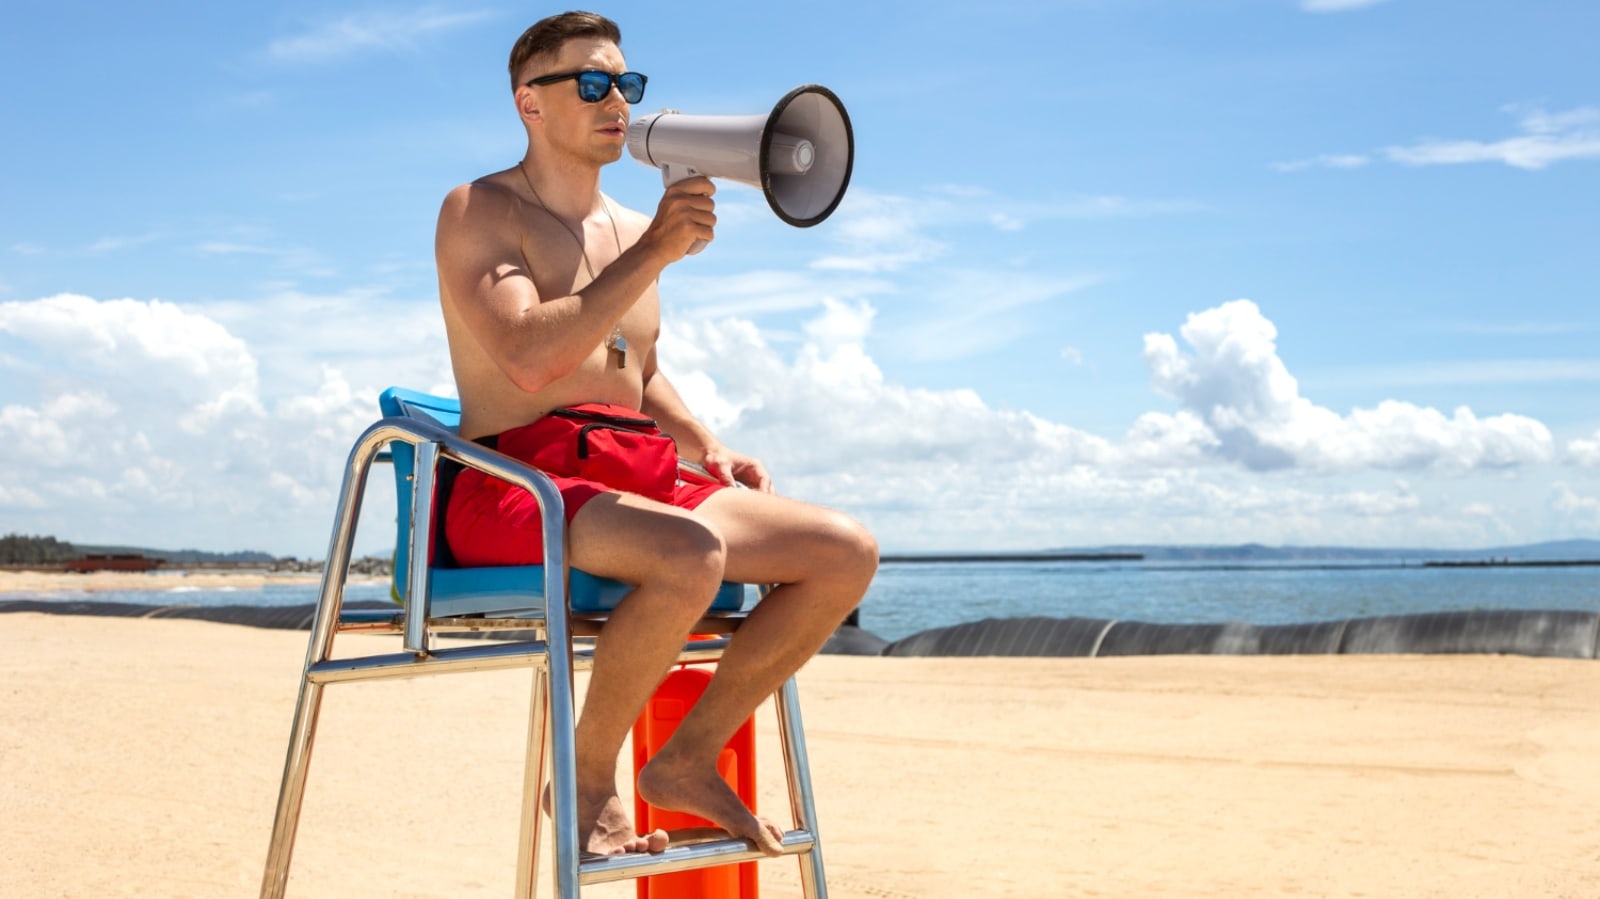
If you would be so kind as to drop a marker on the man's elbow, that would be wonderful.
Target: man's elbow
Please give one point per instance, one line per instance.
(534, 375)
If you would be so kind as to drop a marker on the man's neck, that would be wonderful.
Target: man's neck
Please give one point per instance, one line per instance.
(570, 191)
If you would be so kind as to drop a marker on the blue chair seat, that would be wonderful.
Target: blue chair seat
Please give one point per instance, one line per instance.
(519, 589)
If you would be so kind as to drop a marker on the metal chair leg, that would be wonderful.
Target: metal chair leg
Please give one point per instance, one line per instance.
(533, 781)
(292, 791)
(563, 766)
(797, 766)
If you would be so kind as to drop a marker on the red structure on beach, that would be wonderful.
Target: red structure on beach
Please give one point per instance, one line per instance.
(113, 562)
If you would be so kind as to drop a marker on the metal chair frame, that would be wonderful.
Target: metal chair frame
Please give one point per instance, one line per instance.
(551, 652)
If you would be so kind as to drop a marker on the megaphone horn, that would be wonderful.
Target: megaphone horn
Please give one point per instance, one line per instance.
(799, 155)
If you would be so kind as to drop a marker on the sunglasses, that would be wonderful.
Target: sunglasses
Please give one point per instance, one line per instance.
(593, 84)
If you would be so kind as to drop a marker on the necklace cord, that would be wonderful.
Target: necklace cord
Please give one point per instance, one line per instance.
(616, 332)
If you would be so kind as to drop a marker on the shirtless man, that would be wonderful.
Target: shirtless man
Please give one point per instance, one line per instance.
(548, 289)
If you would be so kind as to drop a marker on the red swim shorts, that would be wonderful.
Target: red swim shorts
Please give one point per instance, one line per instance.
(587, 450)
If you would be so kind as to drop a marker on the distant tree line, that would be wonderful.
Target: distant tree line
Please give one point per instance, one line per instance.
(21, 549)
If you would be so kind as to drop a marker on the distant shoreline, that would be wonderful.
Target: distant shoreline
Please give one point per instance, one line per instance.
(1014, 557)
(1512, 563)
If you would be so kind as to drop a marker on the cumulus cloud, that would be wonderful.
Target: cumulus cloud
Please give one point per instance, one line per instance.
(1585, 452)
(1240, 404)
(151, 418)
(212, 426)
(937, 468)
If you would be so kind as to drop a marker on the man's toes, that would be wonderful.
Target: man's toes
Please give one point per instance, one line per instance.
(769, 838)
(656, 841)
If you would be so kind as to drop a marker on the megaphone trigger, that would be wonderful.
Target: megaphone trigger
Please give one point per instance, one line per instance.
(799, 156)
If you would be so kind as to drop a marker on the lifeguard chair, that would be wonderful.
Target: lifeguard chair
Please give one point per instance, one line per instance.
(550, 609)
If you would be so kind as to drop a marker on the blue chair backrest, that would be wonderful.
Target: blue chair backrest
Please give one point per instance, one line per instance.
(402, 403)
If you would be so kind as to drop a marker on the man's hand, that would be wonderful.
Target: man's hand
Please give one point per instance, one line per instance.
(685, 215)
(729, 467)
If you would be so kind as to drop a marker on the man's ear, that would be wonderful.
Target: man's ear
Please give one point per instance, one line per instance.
(527, 104)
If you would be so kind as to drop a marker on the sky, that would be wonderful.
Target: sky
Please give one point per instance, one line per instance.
(1293, 272)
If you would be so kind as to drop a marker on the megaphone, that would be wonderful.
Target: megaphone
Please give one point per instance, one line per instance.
(799, 155)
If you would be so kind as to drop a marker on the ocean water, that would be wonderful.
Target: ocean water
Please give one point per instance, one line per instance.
(907, 597)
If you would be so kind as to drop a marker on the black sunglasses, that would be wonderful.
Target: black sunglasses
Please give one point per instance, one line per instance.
(593, 84)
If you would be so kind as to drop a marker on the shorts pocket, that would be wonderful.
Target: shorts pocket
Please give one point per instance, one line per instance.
(628, 460)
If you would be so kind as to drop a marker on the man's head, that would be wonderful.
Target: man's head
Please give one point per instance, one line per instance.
(542, 43)
(571, 89)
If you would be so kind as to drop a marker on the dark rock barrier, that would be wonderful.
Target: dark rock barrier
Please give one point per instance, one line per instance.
(1557, 634)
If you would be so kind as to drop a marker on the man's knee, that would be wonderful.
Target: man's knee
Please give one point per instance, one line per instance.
(849, 548)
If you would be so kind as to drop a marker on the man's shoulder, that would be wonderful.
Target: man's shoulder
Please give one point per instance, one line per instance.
(476, 206)
(489, 189)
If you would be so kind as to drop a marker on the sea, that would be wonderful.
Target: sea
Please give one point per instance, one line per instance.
(911, 596)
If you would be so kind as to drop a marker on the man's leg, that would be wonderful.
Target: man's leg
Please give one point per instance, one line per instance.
(823, 562)
(677, 561)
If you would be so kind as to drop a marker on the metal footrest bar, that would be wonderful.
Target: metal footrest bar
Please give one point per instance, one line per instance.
(725, 851)
(491, 657)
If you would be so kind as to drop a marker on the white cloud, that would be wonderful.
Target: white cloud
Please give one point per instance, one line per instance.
(1325, 161)
(1337, 5)
(1547, 138)
(1580, 513)
(387, 29)
(153, 424)
(1585, 453)
(122, 242)
(943, 468)
(969, 312)
(884, 233)
(1234, 383)
(226, 427)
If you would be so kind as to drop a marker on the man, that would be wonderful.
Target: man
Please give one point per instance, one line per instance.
(548, 289)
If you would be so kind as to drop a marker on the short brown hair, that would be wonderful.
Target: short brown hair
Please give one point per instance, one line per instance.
(548, 36)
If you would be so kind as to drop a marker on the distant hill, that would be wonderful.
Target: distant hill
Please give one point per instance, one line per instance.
(23, 549)
(186, 556)
(1558, 550)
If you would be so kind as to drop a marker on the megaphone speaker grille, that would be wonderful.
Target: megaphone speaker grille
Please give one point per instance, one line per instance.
(808, 113)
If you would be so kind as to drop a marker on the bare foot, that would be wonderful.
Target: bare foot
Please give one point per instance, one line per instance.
(604, 827)
(699, 790)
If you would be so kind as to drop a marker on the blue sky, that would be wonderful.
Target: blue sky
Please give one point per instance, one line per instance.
(1288, 271)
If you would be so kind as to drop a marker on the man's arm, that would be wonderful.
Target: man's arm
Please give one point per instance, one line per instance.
(532, 339)
(696, 442)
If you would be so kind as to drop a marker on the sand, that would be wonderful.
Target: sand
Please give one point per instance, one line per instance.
(142, 758)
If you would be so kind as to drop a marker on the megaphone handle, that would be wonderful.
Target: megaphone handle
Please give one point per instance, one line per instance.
(671, 174)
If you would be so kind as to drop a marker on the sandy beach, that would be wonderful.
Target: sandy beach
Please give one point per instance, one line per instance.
(142, 758)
